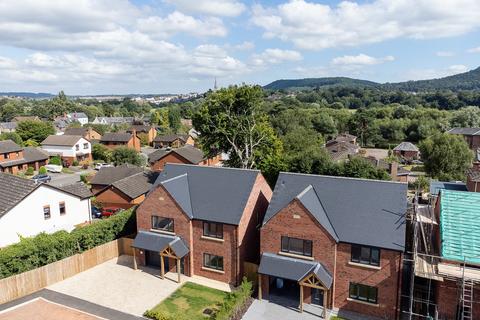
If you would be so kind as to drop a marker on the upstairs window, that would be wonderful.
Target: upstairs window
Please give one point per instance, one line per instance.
(61, 208)
(297, 246)
(213, 230)
(161, 223)
(77, 147)
(363, 292)
(46, 212)
(85, 146)
(366, 255)
(6, 155)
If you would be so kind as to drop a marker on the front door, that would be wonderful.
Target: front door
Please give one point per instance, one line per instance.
(317, 297)
(153, 260)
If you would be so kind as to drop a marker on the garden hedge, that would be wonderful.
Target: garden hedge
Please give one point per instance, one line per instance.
(235, 301)
(37, 251)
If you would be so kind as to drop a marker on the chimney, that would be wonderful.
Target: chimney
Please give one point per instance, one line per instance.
(393, 168)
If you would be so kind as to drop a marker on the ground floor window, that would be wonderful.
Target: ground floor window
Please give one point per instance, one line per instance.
(212, 261)
(363, 292)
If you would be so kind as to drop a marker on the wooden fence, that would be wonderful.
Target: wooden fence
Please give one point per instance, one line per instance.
(28, 282)
(250, 271)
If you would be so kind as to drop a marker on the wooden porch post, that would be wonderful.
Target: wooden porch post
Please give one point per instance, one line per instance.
(324, 303)
(134, 260)
(162, 267)
(178, 270)
(259, 286)
(301, 298)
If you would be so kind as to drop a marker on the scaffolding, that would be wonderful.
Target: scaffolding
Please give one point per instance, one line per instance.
(428, 265)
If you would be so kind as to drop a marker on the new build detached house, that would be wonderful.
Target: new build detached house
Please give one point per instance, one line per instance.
(335, 242)
(202, 221)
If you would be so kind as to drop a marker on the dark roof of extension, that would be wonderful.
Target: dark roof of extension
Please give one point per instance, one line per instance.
(7, 146)
(30, 154)
(171, 137)
(78, 189)
(465, 131)
(406, 146)
(209, 193)
(360, 211)
(108, 175)
(61, 140)
(190, 153)
(137, 184)
(116, 137)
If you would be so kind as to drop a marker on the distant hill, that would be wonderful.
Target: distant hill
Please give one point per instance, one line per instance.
(463, 81)
(32, 95)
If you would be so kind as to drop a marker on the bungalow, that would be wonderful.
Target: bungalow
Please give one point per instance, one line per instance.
(27, 208)
(202, 221)
(407, 151)
(148, 131)
(126, 192)
(173, 141)
(335, 242)
(114, 140)
(186, 154)
(14, 159)
(68, 148)
(108, 175)
(87, 133)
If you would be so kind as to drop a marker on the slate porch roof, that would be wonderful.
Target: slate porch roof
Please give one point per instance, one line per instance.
(293, 269)
(157, 242)
(359, 211)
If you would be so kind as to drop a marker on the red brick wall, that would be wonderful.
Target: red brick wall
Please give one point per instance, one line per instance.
(172, 157)
(410, 155)
(448, 296)
(11, 156)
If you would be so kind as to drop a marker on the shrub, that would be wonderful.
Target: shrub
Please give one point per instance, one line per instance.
(83, 178)
(55, 160)
(234, 301)
(42, 170)
(34, 252)
(30, 171)
(159, 315)
(75, 163)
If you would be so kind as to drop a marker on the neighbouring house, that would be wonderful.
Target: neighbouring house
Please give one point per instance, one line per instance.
(202, 221)
(344, 137)
(186, 154)
(60, 125)
(113, 120)
(114, 140)
(108, 175)
(15, 159)
(77, 117)
(88, 133)
(341, 150)
(27, 208)
(335, 242)
(149, 131)
(126, 192)
(396, 173)
(473, 179)
(471, 136)
(173, 141)
(68, 148)
(7, 127)
(407, 151)
(25, 118)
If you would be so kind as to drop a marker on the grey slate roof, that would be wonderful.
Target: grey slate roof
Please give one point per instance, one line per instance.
(137, 184)
(190, 153)
(61, 140)
(13, 189)
(361, 211)
(108, 175)
(436, 186)
(116, 137)
(157, 242)
(76, 131)
(171, 137)
(209, 193)
(406, 146)
(139, 128)
(78, 189)
(465, 131)
(8, 125)
(7, 146)
(293, 269)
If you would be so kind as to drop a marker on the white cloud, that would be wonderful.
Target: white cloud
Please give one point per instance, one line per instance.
(275, 56)
(245, 46)
(227, 8)
(444, 54)
(421, 74)
(360, 60)
(317, 26)
(474, 50)
(212, 60)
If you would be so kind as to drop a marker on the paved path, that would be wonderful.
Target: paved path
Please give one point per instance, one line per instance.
(281, 309)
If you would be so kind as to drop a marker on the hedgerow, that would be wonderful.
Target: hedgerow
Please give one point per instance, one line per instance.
(37, 251)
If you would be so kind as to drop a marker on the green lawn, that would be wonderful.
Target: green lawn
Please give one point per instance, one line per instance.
(190, 300)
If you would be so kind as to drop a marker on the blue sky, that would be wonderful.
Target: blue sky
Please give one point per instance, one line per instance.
(172, 46)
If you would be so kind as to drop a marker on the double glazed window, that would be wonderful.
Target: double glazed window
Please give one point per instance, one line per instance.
(364, 293)
(212, 261)
(62, 209)
(213, 230)
(297, 246)
(85, 146)
(161, 223)
(366, 255)
(46, 212)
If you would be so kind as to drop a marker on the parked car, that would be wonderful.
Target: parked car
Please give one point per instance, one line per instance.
(110, 211)
(53, 168)
(96, 213)
(42, 178)
(101, 165)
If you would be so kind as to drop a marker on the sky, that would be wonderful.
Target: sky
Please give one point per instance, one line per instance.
(176, 46)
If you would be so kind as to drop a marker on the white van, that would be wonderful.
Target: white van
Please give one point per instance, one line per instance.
(53, 168)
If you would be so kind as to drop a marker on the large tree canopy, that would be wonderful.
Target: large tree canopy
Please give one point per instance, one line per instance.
(34, 130)
(446, 156)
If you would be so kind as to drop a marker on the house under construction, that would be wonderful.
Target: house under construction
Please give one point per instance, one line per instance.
(444, 257)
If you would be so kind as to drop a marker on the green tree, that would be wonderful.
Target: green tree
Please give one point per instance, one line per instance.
(15, 137)
(42, 170)
(127, 155)
(35, 130)
(101, 152)
(231, 120)
(358, 167)
(446, 156)
(55, 160)
(10, 110)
